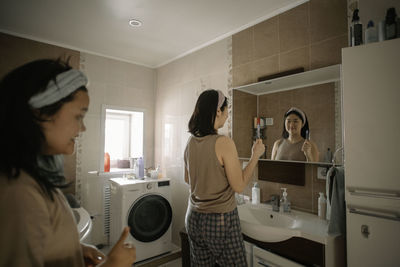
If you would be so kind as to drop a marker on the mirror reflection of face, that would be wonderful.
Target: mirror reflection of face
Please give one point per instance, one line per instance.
(293, 124)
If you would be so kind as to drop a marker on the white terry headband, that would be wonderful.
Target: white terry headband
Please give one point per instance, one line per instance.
(66, 83)
(303, 116)
(221, 99)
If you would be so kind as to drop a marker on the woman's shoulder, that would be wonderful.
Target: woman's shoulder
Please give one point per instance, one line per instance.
(278, 142)
(22, 188)
(223, 139)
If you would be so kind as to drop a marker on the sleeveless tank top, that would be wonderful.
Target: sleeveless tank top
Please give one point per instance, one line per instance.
(289, 151)
(210, 191)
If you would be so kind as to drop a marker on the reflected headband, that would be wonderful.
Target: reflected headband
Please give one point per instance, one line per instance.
(66, 83)
(303, 116)
(221, 99)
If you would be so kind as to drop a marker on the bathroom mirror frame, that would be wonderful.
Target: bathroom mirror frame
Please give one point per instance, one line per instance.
(317, 80)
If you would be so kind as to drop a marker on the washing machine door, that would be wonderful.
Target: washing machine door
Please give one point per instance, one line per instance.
(149, 217)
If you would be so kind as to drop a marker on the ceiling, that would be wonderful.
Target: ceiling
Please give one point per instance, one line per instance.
(170, 30)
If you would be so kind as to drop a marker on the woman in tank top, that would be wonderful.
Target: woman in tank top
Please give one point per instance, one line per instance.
(295, 143)
(213, 171)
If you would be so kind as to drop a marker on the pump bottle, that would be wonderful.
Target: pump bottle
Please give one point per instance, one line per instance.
(285, 203)
(255, 194)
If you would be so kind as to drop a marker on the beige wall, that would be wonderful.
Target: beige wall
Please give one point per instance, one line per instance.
(309, 36)
(15, 51)
(112, 82)
(178, 86)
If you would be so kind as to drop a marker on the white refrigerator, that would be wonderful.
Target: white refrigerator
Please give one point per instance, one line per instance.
(371, 112)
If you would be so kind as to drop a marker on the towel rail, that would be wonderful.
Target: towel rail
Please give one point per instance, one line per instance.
(374, 193)
(382, 215)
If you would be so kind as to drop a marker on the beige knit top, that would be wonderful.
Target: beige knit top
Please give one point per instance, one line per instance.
(210, 191)
(289, 151)
(36, 231)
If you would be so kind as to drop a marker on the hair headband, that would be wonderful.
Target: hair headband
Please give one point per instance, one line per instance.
(66, 83)
(221, 99)
(303, 116)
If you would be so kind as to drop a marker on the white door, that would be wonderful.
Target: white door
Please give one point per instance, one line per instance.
(371, 100)
(372, 241)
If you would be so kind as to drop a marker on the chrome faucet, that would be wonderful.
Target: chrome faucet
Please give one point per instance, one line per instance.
(275, 201)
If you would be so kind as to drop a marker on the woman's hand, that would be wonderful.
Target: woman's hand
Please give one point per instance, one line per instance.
(91, 255)
(307, 149)
(258, 148)
(122, 254)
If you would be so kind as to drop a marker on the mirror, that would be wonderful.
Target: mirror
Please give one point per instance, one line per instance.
(321, 102)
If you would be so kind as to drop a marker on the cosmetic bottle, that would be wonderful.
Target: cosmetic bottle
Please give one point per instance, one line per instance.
(321, 206)
(355, 30)
(381, 31)
(106, 162)
(285, 203)
(371, 35)
(139, 168)
(391, 24)
(255, 194)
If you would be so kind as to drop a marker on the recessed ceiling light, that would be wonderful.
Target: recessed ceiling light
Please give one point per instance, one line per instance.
(135, 23)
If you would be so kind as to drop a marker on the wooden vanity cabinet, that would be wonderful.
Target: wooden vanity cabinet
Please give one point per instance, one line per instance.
(301, 250)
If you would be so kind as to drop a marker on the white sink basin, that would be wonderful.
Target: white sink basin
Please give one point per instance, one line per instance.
(261, 223)
(83, 223)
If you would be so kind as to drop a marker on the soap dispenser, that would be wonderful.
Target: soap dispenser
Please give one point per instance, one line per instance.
(285, 203)
(255, 194)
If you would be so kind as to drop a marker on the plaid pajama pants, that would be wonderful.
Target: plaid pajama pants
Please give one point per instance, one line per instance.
(215, 238)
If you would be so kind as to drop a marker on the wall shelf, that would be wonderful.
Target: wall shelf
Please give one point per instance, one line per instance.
(298, 80)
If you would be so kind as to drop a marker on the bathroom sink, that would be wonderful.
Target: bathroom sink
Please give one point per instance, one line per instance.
(261, 223)
(83, 221)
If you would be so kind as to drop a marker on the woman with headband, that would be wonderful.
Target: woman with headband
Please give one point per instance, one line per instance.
(213, 171)
(42, 106)
(295, 143)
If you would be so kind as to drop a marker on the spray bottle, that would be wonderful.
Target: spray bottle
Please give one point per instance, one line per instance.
(356, 30)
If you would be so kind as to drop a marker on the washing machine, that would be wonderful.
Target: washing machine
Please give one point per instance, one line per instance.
(144, 206)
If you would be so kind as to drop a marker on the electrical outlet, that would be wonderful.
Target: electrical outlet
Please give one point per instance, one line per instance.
(321, 173)
(269, 121)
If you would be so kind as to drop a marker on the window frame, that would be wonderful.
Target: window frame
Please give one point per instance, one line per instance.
(104, 108)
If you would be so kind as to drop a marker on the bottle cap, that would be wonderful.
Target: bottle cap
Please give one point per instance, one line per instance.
(355, 15)
(321, 194)
(255, 185)
(370, 24)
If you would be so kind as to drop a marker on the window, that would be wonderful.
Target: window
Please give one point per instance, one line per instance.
(123, 135)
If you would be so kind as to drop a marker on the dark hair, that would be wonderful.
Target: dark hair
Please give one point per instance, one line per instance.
(202, 121)
(304, 128)
(22, 136)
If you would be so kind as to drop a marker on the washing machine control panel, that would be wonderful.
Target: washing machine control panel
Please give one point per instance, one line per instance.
(149, 186)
